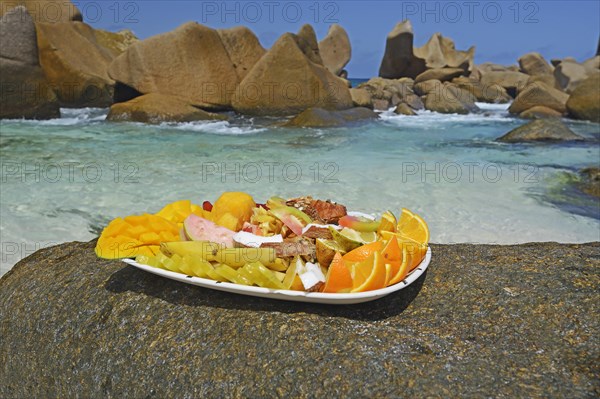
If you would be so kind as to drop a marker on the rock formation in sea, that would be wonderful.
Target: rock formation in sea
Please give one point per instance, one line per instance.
(290, 78)
(402, 59)
(335, 49)
(26, 93)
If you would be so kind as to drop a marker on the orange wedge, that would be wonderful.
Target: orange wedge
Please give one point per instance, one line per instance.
(388, 223)
(369, 274)
(403, 269)
(338, 277)
(416, 250)
(392, 256)
(413, 226)
(363, 252)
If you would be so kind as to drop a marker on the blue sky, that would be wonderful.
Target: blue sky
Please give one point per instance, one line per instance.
(500, 30)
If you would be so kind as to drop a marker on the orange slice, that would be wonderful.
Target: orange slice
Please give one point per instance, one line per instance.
(416, 250)
(369, 274)
(392, 256)
(338, 277)
(388, 223)
(413, 226)
(363, 252)
(403, 269)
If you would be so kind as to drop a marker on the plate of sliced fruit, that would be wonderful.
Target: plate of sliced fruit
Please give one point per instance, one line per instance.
(299, 249)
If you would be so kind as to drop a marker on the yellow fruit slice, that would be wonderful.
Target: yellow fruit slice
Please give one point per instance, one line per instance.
(238, 204)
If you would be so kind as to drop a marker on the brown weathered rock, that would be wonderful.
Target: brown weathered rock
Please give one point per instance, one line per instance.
(539, 94)
(361, 98)
(335, 49)
(319, 117)
(491, 67)
(449, 99)
(306, 39)
(540, 112)
(158, 108)
(550, 80)
(190, 62)
(75, 64)
(440, 52)
(404, 109)
(492, 93)
(381, 104)
(592, 65)
(286, 82)
(534, 64)
(512, 81)
(541, 130)
(25, 90)
(50, 11)
(423, 88)
(243, 48)
(441, 74)
(584, 102)
(569, 74)
(115, 42)
(390, 92)
(399, 59)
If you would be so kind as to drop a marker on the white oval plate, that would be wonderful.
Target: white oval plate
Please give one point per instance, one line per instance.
(287, 295)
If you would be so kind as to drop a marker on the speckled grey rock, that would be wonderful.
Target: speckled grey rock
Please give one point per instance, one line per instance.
(484, 321)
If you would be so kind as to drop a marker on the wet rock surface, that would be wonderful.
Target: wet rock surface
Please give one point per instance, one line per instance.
(485, 320)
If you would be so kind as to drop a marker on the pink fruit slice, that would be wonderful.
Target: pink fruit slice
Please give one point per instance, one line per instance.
(199, 229)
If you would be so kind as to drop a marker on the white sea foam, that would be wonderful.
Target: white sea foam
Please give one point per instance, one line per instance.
(219, 127)
(490, 113)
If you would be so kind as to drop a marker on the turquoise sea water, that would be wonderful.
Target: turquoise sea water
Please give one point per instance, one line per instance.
(64, 179)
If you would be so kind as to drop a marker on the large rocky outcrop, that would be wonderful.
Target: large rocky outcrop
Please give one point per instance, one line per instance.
(75, 64)
(511, 81)
(115, 42)
(569, 74)
(361, 98)
(243, 48)
(289, 79)
(158, 108)
(387, 93)
(440, 52)
(306, 39)
(335, 49)
(584, 102)
(50, 11)
(449, 99)
(73, 325)
(25, 90)
(441, 74)
(535, 64)
(490, 93)
(189, 62)
(541, 130)
(539, 94)
(401, 59)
